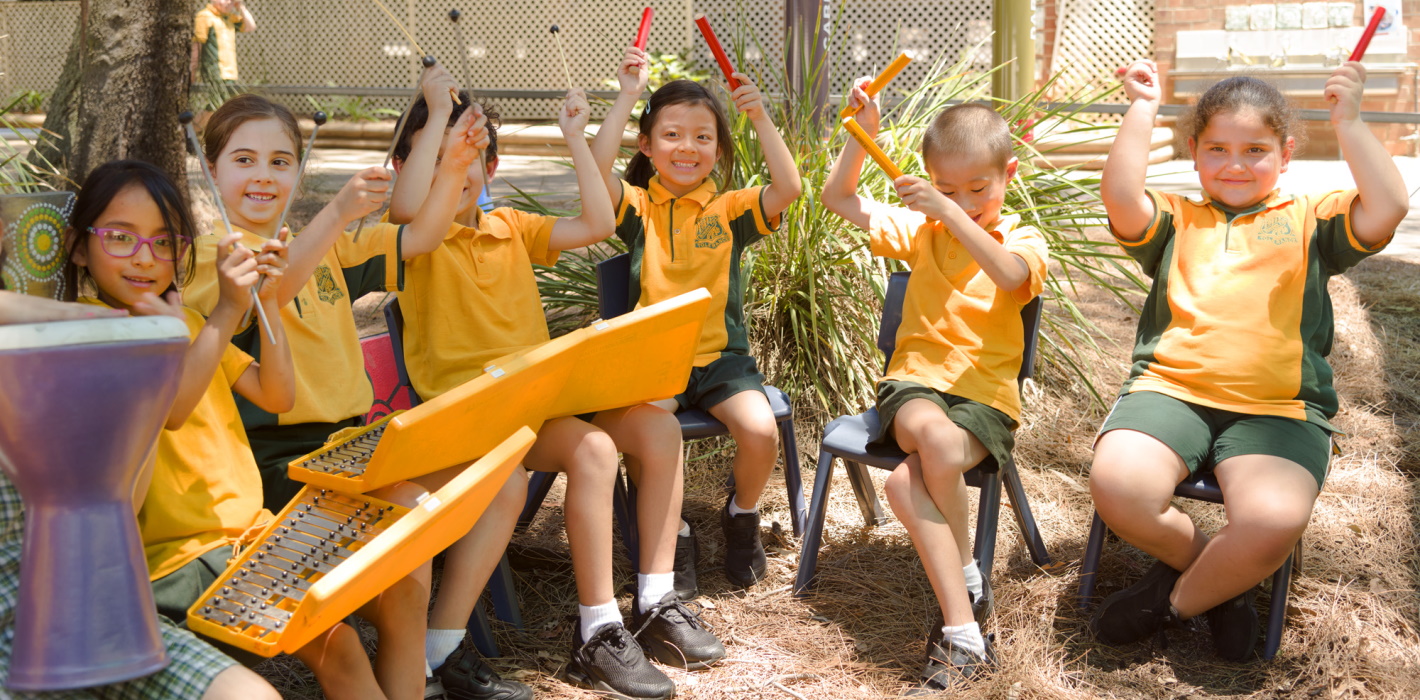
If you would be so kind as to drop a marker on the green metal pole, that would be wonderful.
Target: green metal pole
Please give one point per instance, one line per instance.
(1014, 39)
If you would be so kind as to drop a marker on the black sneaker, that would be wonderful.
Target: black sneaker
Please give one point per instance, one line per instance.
(1235, 627)
(466, 677)
(611, 662)
(950, 668)
(1137, 611)
(434, 689)
(674, 635)
(687, 554)
(744, 552)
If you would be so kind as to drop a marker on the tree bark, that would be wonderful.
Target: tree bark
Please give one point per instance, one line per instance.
(123, 86)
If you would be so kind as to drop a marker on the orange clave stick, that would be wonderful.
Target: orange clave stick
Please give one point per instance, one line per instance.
(1366, 35)
(704, 23)
(881, 81)
(866, 141)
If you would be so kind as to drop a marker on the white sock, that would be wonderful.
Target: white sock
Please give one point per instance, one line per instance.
(973, 579)
(438, 644)
(651, 588)
(736, 510)
(595, 617)
(428, 672)
(966, 637)
(684, 530)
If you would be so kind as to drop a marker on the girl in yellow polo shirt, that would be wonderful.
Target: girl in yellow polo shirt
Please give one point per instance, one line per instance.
(1230, 359)
(685, 233)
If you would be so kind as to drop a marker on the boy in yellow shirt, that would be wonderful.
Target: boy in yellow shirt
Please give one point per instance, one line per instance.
(950, 397)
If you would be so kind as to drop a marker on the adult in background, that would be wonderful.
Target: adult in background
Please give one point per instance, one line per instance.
(214, 40)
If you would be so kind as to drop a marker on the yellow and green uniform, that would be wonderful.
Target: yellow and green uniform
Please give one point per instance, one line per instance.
(474, 298)
(679, 244)
(961, 334)
(332, 389)
(218, 35)
(1238, 318)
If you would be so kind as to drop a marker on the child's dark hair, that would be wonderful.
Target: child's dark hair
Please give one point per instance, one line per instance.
(418, 117)
(239, 110)
(105, 183)
(968, 128)
(1238, 93)
(679, 92)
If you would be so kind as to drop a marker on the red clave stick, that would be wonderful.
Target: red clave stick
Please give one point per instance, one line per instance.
(704, 23)
(644, 32)
(1366, 35)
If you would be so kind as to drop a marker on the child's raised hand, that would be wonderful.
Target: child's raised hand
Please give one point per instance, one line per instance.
(869, 116)
(271, 263)
(574, 115)
(920, 196)
(634, 73)
(364, 194)
(467, 137)
(236, 272)
(1343, 90)
(151, 304)
(748, 99)
(438, 86)
(1143, 82)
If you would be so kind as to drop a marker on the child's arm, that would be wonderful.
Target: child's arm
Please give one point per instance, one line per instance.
(597, 220)
(446, 197)
(1008, 270)
(1382, 202)
(632, 76)
(271, 384)
(1122, 182)
(416, 171)
(362, 195)
(24, 308)
(840, 190)
(785, 185)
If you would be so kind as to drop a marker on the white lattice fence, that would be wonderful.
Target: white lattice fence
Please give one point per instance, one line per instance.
(1095, 37)
(36, 43)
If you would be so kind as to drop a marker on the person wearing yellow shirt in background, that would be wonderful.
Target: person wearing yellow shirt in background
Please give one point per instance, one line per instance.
(214, 40)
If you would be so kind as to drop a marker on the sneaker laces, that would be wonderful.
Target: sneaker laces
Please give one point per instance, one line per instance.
(614, 639)
(677, 607)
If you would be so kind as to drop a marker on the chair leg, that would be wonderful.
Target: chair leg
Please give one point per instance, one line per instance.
(873, 515)
(1090, 566)
(988, 513)
(1024, 520)
(482, 633)
(624, 507)
(813, 528)
(539, 483)
(793, 479)
(505, 598)
(1277, 616)
(1297, 558)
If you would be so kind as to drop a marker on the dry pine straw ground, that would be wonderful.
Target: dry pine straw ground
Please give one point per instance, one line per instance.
(1352, 618)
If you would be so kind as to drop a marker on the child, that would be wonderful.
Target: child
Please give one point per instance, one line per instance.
(684, 234)
(472, 298)
(1229, 359)
(128, 232)
(949, 398)
(195, 668)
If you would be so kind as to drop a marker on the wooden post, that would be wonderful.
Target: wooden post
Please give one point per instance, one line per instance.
(1014, 38)
(805, 50)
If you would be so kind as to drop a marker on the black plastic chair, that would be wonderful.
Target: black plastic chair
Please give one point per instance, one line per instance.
(1201, 486)
(846, 438)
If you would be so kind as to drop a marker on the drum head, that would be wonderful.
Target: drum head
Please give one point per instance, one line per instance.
(88, 332)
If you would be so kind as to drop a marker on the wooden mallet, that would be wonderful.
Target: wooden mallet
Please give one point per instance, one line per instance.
(186, 120)
(881, 81)
(428, 62)
(566, 71)
(871, 147)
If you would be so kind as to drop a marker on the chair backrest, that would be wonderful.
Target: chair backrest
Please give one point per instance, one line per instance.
(892, 318)
(614, 286)
(382, 368)
(394, 320)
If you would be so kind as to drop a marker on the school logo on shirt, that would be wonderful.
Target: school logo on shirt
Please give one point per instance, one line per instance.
(326, 288)
(709, 233)
(1276, 230)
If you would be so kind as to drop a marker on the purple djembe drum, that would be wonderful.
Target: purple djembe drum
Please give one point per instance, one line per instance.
(81, 404)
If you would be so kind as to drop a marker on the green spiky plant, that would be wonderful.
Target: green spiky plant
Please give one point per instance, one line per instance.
(19, 173)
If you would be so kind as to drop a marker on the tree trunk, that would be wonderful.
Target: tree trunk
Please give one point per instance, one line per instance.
(123, 86)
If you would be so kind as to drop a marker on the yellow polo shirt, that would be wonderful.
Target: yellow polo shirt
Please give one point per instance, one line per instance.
(960, 333)
(474, 298)
(206, 491)
(1238, 317)
(218, 35)
(680, 244)
(331, 384)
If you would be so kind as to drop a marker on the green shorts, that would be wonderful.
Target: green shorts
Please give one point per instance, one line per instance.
(712, 384)
(175, 593)
(990, 426)
(276, 446)
(1204, 436)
